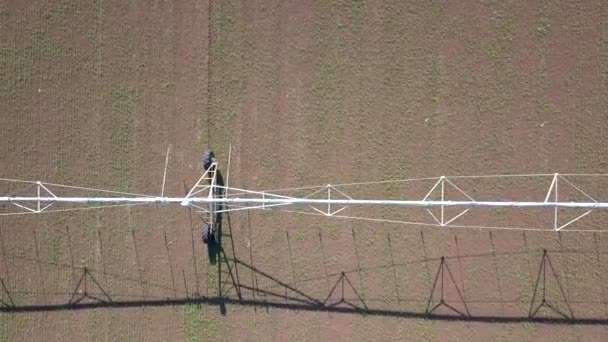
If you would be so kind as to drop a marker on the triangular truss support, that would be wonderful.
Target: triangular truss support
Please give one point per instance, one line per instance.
(441, 185)
(440, 278)
(8, 303)
(329, 211)
(541, 281)
(343, 280)
(41, 191)
(81, 291)
(205, 184)
(553, 192)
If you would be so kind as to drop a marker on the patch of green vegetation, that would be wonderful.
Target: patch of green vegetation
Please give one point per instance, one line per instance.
(327, 5)
(333, 231)
(94, 324)
(499, 49)
(327, 95)
(91, 225)
(543, 27)
(53, 249)
(435, 86)
(403, 87)
(16, 68)
(5, 59)
(435, 79)
(90, 220)
(359, 8)
(199, 324)
(56, 162)
(226, 71)
(523, 296)
(6, 325)
(324, 128)
(299, 234)
(45, 45)
(520, 332)
(305, 268)
(498, 52)
(433, 120)
(24, 51)
(529, 325)
(116, 325)
(213, 286)
(165, 87)
(494, 93)
(327, 80)
(124, 103)
(99, 40)
(193, 322)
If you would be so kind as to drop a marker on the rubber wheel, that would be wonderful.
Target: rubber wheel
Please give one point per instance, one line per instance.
(212, 234)
(208, 158)
(206, 233)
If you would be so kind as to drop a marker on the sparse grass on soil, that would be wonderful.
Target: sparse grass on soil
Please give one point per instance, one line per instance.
(307, 92)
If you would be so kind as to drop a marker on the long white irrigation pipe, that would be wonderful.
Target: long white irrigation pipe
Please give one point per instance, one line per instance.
(185, 201)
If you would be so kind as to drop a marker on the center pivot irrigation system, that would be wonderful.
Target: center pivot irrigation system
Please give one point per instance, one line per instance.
(210, 198)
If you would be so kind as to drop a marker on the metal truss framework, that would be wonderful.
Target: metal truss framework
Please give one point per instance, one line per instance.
(208, 197)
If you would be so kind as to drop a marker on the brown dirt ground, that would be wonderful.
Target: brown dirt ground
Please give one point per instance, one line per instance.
(307, 92)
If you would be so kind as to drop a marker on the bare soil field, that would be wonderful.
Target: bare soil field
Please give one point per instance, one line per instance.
(92, 93)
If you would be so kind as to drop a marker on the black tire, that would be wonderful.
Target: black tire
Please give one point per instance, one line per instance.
(212, 233)
(207, 233)
(208, 158)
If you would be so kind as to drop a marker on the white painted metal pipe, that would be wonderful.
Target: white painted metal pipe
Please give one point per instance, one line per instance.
(185, 201)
